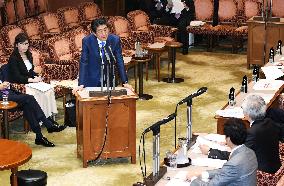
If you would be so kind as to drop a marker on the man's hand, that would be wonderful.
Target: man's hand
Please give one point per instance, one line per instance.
(192, 175)
(126, 85)
(204, 149)
(79, 88)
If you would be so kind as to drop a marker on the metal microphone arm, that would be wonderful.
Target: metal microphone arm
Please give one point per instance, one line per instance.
(102, 69)
(108, 65)
(113, 68)
(193, 95)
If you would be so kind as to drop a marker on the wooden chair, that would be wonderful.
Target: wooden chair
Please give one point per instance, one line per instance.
(50, 22)
(9, 12)
(139, 21)
(88, 12)
(69, 18)
(8, 34)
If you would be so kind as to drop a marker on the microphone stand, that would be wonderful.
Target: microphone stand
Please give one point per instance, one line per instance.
(102, 70)
(107, 66)
(265, 16)
(158, 172)
(189, 122)
(113, 68)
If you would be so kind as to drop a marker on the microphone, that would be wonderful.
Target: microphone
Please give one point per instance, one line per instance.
(193, 95)
(106, 54)
(161, 122)
(112, 54)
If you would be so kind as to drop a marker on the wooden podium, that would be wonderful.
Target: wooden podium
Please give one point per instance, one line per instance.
(91, 115)
(257, 36)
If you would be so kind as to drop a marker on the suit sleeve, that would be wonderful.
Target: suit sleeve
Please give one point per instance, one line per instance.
(83, 66)
(15, 75)
(120, 62)
(224, 176)
(250, 140)
(218, 154)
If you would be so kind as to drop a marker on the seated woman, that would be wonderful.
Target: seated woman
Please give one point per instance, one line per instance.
(32, 113)
(21, 70)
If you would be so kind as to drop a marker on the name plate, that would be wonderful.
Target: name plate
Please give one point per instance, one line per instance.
(106, 93)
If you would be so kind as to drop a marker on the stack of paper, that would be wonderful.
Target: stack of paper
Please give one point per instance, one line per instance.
(212, 144)
(265, 84)
(179, 179)
(156, 45)
(236, 112)
(41, 86)
(208, 162)
(197, 23)
(272, 72)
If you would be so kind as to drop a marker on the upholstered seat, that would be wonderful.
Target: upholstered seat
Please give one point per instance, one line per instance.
(50, 22)
(88, 12)
(266, 179)
(69, 18)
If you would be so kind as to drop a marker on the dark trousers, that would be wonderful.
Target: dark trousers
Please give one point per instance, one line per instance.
(32, 111)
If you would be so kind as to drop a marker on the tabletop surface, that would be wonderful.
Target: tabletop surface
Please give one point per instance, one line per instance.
(13, 153)
(11, 105)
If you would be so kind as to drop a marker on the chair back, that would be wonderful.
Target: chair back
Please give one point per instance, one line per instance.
(41, 6)
(9, 11)
(89, 11)
(228, 11)
(139, 20)
(76, 37)
(251, 8)
(20, 9)
(60, 48)
(50, 22)
(120, 26)
(278, 8)
(69, 17)
(9, 33)
(32, 27)
(204, 10)
(264, 179)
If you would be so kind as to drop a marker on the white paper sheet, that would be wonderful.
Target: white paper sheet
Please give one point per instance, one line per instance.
(236, 112)
(208, 162)
(201, 140)
(156, 45)
(272, 72)
(127, 59)
(266, 84)
(197, 23)
(41, 86)
(179, 179)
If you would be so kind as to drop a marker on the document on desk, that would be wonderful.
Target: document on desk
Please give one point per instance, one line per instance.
(236, 112)
(201, 140)
(272, 72)
(156, 45)
(208, 162)
(127, 59)
(266, 84)
(179, 179)
(41, 86)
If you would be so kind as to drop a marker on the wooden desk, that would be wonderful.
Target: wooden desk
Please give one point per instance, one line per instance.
(91, 116)
(5, 109)
(257, 37)
(12, 155)
(239, 99)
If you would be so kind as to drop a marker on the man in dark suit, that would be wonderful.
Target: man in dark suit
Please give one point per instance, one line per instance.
(241, 167)
(156, 9)
(263, 136)
(94, 49)
(32, 111)
(180, 20)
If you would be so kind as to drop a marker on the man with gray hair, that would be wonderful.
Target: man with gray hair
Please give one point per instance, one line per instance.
(263, 136)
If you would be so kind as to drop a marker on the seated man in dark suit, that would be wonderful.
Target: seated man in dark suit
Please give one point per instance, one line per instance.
(32, 112)
(263, 136)
(241, 167)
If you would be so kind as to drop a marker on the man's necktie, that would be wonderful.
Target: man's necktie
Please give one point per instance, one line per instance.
(102, 48)
(177, 15)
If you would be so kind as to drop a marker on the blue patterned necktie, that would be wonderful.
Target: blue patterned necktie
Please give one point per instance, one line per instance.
(102, 48)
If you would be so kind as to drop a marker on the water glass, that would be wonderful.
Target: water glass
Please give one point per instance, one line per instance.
(173, 161)
(5, 99)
